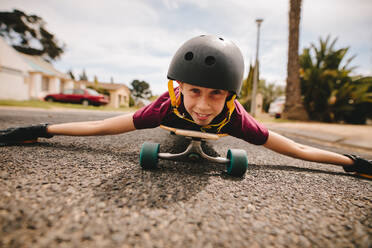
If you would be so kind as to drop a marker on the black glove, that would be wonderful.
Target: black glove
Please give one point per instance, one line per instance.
(26, 133)
(360, 165)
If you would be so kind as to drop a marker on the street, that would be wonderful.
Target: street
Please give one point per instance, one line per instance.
(92, 192)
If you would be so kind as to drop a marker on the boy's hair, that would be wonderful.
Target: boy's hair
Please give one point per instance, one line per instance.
(208, 61)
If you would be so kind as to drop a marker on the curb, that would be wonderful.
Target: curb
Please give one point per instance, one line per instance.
(364, 145)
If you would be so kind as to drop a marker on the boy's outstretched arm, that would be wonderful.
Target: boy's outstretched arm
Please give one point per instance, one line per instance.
(30, 134)
(114, 125)
(285, 146)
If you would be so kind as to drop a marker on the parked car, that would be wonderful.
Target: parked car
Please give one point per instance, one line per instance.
(83, 96)
(277, 106)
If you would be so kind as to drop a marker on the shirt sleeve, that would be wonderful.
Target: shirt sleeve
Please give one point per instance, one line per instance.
(245, 127)
(151, 115)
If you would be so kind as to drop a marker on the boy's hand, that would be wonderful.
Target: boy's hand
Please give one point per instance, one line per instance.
(23, 134)
(361, 165)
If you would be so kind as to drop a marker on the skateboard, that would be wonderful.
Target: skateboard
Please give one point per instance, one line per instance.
(236, 161)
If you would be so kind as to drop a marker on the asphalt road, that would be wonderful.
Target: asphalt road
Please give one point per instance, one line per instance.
(91, 192)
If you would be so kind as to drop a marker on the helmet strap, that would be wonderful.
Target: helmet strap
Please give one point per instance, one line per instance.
(175, 101)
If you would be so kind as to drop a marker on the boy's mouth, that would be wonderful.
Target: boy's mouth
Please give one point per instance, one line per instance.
(202, 116)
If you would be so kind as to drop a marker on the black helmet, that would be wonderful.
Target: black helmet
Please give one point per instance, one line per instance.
(208, 61)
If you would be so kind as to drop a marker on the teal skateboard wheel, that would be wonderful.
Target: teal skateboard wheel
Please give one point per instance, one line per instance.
(149, 155)
(238, 162)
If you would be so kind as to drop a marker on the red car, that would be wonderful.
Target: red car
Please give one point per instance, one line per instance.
(83, 96)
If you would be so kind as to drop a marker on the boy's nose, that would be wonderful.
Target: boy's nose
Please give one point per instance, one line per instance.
(204, 103)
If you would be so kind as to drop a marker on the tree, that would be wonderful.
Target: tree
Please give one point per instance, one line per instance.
(83, 76)
(330, 93)
(71, 74)
(361, 100)
(294, 108)
(246, 91)
(140, 89)
(27, 34)
(95, 81)
(269, 91)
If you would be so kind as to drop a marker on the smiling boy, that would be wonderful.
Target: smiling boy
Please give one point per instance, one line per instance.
(203, 104)
(209, 71)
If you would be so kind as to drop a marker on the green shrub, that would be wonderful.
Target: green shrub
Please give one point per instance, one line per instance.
(330, 93)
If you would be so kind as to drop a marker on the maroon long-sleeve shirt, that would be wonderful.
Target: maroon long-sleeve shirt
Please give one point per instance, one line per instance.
(241, 125)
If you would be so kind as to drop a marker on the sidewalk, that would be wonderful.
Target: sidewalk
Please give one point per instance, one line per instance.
(344, 135)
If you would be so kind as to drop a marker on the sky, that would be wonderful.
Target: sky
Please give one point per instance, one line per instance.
(126, 40)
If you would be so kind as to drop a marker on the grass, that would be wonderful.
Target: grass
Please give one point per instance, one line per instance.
(51, 105)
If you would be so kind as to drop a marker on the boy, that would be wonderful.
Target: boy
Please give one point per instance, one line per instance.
(209, 71)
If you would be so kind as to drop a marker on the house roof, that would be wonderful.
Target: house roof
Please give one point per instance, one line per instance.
(10, 59)
(107, 86)
(38, 64)
(13, 60)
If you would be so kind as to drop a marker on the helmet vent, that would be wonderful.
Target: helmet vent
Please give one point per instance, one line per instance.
(189, 56)
(210, 60)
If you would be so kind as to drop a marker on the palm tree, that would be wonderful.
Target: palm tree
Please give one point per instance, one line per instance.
(294, 108)
(246, 91)
(330, 93)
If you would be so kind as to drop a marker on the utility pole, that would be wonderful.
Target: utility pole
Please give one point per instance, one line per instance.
(255, 74)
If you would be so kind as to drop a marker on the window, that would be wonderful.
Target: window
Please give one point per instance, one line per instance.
(68, 92)
(45, 84)
(92, 92)
(79, 92)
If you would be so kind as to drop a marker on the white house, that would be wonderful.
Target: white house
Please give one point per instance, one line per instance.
(44, 78)
(13, 74)
(25, 77)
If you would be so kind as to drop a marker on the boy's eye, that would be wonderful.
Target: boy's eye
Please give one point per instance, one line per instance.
(195, 91)
(216, 92)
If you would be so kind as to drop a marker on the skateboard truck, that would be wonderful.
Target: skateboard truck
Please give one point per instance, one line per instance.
(194, 151)
(236, 161)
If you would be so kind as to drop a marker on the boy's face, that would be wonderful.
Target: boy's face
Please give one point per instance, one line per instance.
(203, 104)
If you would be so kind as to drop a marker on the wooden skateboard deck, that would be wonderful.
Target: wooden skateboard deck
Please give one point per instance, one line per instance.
(193, 134)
